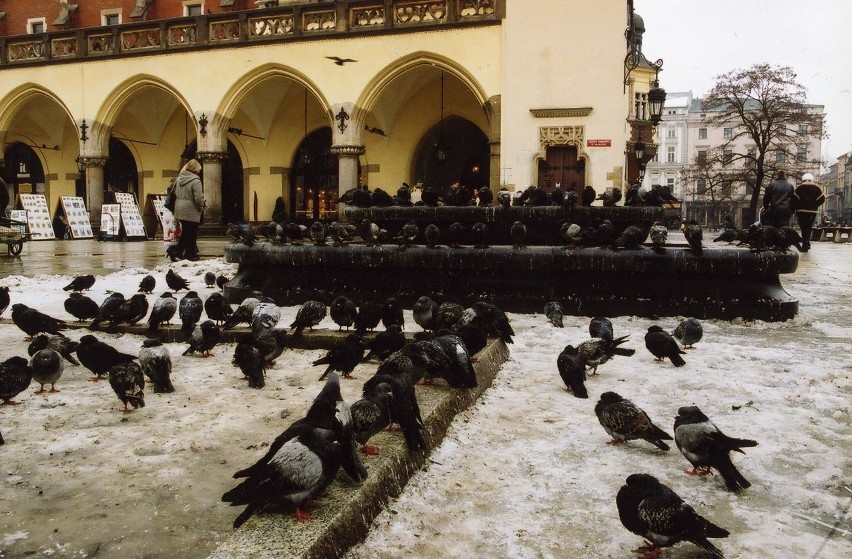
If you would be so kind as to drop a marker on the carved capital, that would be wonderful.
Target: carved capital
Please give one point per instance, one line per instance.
(211, 156)
(92, 161)
(348, 151)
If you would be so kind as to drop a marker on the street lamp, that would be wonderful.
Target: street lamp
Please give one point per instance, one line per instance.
(656, 96)
(639, 152)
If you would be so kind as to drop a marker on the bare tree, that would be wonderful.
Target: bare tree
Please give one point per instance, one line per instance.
(715, 180)
(766, 108)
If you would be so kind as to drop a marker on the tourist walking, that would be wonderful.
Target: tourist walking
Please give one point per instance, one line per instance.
(808, 197)
(778, 202)
(189, 205)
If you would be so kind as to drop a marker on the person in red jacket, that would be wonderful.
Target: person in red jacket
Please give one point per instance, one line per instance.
(808, 197)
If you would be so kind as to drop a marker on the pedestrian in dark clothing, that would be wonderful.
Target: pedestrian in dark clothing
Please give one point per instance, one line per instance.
(189, 204)
(808, 197)
(778, 202)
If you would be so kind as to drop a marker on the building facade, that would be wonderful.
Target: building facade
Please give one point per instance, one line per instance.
(837, 185)
(304, 100)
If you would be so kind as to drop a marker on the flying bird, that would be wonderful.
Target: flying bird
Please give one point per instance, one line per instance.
(156, 364)
(661, 345)
(689, 332)
(625, 421)
(706, 447)
(341, 61)
(175, 282)
(80, 283)
(128, 383)
(164, 309)
(572, 371)
(47, 367)
(652, 510)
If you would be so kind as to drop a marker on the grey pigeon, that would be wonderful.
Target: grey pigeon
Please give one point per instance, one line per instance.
(625, 421)
(163, 310)
(58, 342)
(264, 317)
(337, 233)
(128, 383)
(189, 311)
(689, 332)
(653, 511)
(242, 313)
(553, 312)
(659, 237)
(204, 337)
(241, 233)
(317, 232)
(706, 447)
(271, 344)
(611, 196)
(156, 364)
(47, 367)
(309, 315)
(694, 235)
(424, 312)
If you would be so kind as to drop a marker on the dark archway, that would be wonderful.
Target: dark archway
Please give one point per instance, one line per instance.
(313, 179)
(23, 172)
(468, 156)
(120, 173)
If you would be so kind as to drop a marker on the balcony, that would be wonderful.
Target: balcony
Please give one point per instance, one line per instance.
(256, 26)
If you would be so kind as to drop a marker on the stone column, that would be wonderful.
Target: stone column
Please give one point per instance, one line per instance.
(94, 169)
(211, 162)
(493, 110)
(347, 166)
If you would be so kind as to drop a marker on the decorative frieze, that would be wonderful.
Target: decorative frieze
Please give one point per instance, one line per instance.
(182, 35)
(100, 43)
(267, 26)
(421, 12)
(141, 39)
(211, 156)
(348, 151)
(88, 162)
(63, 47)
(561, 112)
(367, 16)
(475, 8)
(228, 30)
(25, 50)
(319, 21)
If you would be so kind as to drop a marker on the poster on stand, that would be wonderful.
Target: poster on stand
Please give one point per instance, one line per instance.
(38, 216)
(76, 217)
(131, 217)
(110, 220)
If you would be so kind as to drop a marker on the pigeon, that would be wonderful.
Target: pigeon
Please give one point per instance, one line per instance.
(631, 197)
(727, 236)
(692, 232)
(553, 312)
(368, 317)
(128, 383)
(4, 299)
(47, 367)
(243, 313)
(59, 343)
(558, 196)
(631, 238)
(309, 315)
(204, 337)
(32, 322)
(175, 282)
(432, 235)
(479, 235)
(611, 196)
(343, 356)
(589, 196)
(493, 320)
(300, 463)
(485, 197)
(337, 233)
(605, 233)
(650, 509)
(661, 345)
(791, 238)
(372, 413)
(274, 232)
(474, 337)
(343, 312)
(98, 356)
(688, 332)
(597, 351)
(572, 234)
(504, 198)
(659, 236)
(132, 311)
(448, 316)
(572, 370)
(571, 199)
(157, 365)
(294, 233)
(424, 312)
(241, 233)
(317, 232)
(391, 312)
(81, 307)
(147, 284)
(271, 344)
(357, 197)
(189, 311)
(368, 232)
(518, 234)
(209, 280)
(385, 343)
(706, 447)
(221, 281)
(444, 356)
(454, 235)
(217, 308)
(164, 309)
(15, 377)
(407, 235)
(600, 327)
(625, 421)
(109, 310)
(250, 360)
(381, 198)
(430, 197)
(264, 317)
(80, 283)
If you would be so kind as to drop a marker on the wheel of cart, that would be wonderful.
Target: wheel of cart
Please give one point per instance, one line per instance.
(14, 233)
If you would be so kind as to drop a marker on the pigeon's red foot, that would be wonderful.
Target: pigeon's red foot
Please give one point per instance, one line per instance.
(698, 472)
(53, 388)
(40, 390)
(649, 551)
(473, 360)
(95, 379)
(614, 442)
(370, 450)
(9, 403)
(349, 376)
(301, 516)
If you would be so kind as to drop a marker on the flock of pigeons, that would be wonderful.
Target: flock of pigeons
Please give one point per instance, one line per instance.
(646, 507)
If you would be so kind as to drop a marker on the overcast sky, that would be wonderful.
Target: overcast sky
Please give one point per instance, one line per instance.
(701, 40)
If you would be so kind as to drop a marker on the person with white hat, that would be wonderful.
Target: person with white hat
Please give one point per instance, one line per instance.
(808, 196)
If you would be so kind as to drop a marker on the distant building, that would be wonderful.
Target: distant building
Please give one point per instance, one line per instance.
(672, 145)
(837, 185)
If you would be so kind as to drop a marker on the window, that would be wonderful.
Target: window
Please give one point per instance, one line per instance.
(670, 181)
(193, 9)
(802, 155)
(780, 156)
(671, 132)
(803, 130)
(36, 26)
(702, 133)
(111, 17)
(670, 155)
(727, 157)
(702, 157)
(641, 106)
(701, 186)
(727, 132)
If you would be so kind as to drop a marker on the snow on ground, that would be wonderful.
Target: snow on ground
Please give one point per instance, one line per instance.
(526, 472)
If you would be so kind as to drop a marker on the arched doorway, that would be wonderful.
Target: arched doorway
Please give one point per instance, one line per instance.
(120, 174)
(562, 168)
(313, 179)
(23, 172)
(467, 156)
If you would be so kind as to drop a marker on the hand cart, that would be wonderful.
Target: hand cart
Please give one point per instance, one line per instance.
(14, 233)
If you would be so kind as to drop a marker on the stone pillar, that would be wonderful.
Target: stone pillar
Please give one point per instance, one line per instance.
(347, 166)
(211, 162)
(94, 169)
(492, 109)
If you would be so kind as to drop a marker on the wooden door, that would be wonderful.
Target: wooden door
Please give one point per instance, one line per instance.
(562, 168)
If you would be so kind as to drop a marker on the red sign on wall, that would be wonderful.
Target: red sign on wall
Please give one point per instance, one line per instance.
(599, 143)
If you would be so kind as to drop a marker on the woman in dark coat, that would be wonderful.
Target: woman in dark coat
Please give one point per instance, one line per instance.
(189, 203)
(778, 202)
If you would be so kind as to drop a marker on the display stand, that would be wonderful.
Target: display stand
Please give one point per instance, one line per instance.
(131, 217)
(38, 216)
(110, 222)
(76, 216)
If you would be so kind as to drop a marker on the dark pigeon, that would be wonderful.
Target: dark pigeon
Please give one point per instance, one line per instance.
(343, 312)
(110, 310)
(518, 234)
(217, 308)
(80, 283)
(385, 343)
(625, 421)
(147, 284)
(369, 316)
(553, 312)
(432, 235)
(59, 343)
(209, 279)
(317, 232)
(241, 233)
(407, 235)
(15, 377)
(81, 307)
(128, 383)
(309, 315)
(601, 327)
(32, 322)
(343, 356)
(589, 196)
(98, 356)
(391, 312)
(250, 360)
(572, 371)
(693, 233)
(479, 235)
(631, 238)
(189, 311)
(175, 282)
(661, 345)
(271, 344)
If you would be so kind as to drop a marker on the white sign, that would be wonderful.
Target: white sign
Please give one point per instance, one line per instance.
(131, 217)
(38, 216)
(110, 219)
(167, 219)
(77, 217)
